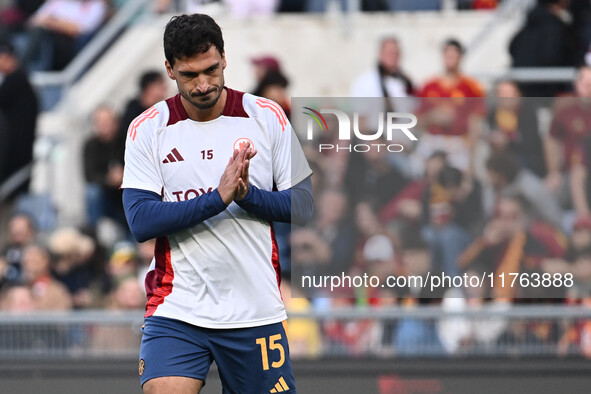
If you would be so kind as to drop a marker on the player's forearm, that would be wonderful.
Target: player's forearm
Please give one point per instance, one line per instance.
(553, 153)
(578, 176)
(295, 205)
(149, 217)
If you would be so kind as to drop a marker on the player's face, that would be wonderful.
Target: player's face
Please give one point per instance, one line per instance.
(200, 78)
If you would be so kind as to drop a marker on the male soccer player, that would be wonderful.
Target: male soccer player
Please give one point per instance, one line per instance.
(206, 172)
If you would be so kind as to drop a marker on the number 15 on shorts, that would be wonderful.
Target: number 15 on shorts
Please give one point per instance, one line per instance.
(273, 345)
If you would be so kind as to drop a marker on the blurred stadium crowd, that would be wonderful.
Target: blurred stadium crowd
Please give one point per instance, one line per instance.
(490, 187)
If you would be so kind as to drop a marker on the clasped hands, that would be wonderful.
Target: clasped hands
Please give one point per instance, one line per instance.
(234, 182)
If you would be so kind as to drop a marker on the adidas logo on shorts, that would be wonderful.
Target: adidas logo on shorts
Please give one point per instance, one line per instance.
(280, 386)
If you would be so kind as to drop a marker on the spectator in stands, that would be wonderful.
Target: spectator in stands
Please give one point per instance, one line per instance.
(506, 176)
(21, 300)
(372, 177)
(71, 265)
(377, 259)
(103, 169)
(388, 82)
(48, 293)
(127, 296)
(581, 13)
(310, 252)
(273, 86)
(263, 65)
(478, 4)
(59, 29)
(452, 213)
(374, 252)
(374, 5)
(291, 6)
(21, 233)
(512, 243)
(329, 247)
(416, 259)
(571, 124)
(322, 5)
(13, 17)
(404, 211)
(17, 299)
(546, 40)
(576, 260)
(386, 79)
(453, 124)
(453, 82)
(19, 108)
(580, 238)
(153, 88)
(124, 264)
(514, 128)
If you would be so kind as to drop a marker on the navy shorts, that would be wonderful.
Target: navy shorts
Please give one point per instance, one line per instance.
(250, 360)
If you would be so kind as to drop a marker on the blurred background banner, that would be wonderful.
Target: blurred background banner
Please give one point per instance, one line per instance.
(490, 187)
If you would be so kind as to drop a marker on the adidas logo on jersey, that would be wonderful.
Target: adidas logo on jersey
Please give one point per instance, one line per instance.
(280, 386)
(173, 157)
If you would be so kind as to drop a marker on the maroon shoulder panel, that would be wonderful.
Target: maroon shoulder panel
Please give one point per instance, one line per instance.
(177, 111)
(234, 105)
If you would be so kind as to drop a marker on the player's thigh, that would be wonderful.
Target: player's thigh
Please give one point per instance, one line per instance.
(173, 384)
(173, 349)
(254, 360)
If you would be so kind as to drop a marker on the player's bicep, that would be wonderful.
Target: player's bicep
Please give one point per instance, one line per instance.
(141, 170)
(289, 162)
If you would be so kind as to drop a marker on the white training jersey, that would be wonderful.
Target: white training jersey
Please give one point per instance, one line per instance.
(224, 272)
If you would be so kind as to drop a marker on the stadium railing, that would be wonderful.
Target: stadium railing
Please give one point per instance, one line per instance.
(423, 331)
(55, 83)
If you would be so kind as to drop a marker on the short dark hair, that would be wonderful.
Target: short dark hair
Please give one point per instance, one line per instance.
(452, 42)
(6, 47)
(450, 177)
(150, 77)
(520, 199)
(187, 35)
(504, 164)
(386, 39)
(271, 78)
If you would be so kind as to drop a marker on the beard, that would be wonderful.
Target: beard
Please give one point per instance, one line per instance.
(207, 100)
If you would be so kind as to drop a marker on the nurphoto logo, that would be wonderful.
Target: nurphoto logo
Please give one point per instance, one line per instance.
(387, 124)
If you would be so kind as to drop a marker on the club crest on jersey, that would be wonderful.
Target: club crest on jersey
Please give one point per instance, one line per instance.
(240, 142)
(142, 367)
